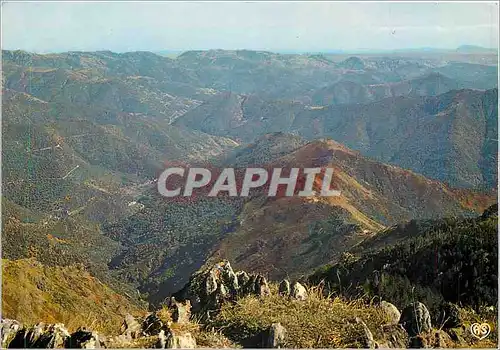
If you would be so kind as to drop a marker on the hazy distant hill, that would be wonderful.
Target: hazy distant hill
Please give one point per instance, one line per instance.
(449, 137)
(347, 92)
(79, 123)
(476, 49)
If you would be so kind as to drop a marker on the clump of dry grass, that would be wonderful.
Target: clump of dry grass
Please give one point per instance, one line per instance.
(318, 322)
(164, 315)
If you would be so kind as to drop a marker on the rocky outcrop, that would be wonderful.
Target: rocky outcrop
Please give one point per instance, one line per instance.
(416, 319)
(151, 331)
(8, 330)
(47, 336)
(177, 340)
(209, 288)
(161, 343)
(41, 335)
(83, 339)
(152, 325)
(130, 327)
(181, 312)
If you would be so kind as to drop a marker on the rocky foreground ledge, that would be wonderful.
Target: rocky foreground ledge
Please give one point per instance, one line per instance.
(220, 308)
(167, 328)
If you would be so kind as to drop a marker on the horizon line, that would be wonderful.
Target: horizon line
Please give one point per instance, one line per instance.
(283, 51)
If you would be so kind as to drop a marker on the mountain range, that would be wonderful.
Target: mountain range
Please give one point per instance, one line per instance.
(411, 141)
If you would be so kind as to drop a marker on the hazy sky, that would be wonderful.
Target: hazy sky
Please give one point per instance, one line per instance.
(312, 26)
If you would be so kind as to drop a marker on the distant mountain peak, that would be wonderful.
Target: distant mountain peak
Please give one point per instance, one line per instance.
(475, 49)
(353, 62)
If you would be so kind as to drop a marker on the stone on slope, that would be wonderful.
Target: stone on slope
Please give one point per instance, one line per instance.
(229, 278)
(261, 286)
(83, 339)
(275, 337)
(152, 325)
(391, 311)
(162, 340)
(299, 292)
(181, 312)
(416, 319)
(180, 341)
(130, 327)
(367, 338)
(211, 282)
(42, 336)
(8, 330)
(243, 279)
(249, 288)
(284, 288)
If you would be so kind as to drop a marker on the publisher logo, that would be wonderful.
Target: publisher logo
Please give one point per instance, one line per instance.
(480, 330)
